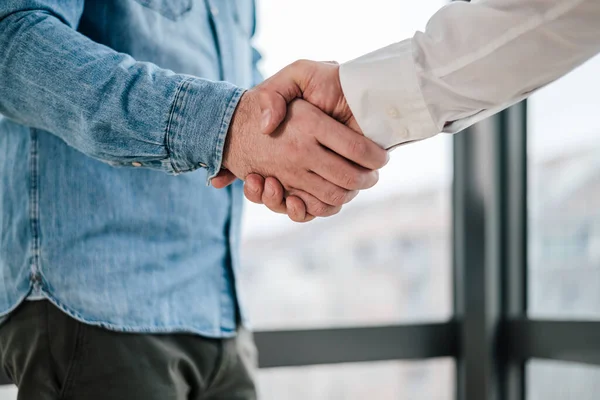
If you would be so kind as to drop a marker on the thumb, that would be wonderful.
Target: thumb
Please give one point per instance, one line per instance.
(223, 179)
(273, 108)
(276, 92)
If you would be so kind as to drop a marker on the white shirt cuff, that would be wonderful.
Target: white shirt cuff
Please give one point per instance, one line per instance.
(383, 92)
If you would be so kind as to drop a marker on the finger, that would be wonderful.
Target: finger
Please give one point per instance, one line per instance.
(324, 190)
(352, 145)
(321, 197)
(277, 91)
(315, 206)
(341, 172)
(296, 210)
(223, 179)
(273, 196)
(254, 187)
(293, 204)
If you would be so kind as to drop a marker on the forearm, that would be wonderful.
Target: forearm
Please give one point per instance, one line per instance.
(473, 60)
(106, 104)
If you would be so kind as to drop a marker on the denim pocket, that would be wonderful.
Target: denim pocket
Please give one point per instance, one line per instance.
(171, 9)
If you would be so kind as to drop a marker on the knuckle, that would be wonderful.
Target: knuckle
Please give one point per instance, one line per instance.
(264, 96)
(300, 63)
(320, 210)
(359, 149)
(271, 200)
(337, 197)
(352, 180)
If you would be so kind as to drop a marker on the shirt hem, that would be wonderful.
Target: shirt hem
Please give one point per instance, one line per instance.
(222, 333)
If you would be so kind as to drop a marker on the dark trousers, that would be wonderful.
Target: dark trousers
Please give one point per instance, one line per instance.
(51, 356)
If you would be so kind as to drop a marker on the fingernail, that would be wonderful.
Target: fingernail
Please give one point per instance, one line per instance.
(266, 119)
(387, 160)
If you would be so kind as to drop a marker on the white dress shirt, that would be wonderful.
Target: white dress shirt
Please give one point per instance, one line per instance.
(473, 60)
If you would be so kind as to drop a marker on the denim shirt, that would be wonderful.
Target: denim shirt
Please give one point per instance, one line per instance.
(114, 114)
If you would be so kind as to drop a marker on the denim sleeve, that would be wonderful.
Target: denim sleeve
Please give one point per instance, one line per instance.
(103, 103)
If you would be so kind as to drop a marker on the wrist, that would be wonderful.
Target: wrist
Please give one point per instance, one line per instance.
(238, 135)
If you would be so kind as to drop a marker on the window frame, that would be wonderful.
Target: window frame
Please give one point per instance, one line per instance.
(491, 337)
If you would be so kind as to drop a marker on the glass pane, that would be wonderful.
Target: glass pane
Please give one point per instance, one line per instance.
(8, 393)
(426, 380)
(564, 197)
(386, 258)
(556, 380)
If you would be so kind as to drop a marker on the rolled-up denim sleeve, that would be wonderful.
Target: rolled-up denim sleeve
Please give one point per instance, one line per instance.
(198, 124)
(106, 104)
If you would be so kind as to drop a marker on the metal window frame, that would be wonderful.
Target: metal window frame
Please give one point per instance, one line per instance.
(491, 336)
(490, 243)
(496, 337)
(351, 345)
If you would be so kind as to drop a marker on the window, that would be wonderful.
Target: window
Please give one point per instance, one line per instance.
(386, 258)
(426, 380)
(564, 198)
(558, 380)
(8, 392)
(564, 224)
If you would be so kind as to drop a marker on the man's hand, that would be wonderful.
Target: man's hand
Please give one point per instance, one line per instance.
(315, 158)
(317, 83)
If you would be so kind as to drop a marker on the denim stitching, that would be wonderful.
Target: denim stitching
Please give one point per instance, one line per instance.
(169, 136)
(34, 206)
(176, 327)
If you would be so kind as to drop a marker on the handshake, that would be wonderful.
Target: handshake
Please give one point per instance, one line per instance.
(295, 142)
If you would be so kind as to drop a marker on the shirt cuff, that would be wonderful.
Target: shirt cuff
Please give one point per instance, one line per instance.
(198, 124)
(383, 92)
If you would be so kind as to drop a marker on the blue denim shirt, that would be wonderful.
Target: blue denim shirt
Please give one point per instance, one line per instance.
(114, 115)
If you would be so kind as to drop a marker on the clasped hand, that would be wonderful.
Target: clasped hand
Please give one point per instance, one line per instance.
(297, 146)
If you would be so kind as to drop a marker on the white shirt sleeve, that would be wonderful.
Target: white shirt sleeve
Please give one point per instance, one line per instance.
(473, 60)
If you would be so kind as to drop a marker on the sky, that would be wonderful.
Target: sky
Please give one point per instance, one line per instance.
(562, 116)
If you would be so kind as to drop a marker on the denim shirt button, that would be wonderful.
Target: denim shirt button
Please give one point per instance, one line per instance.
(203, 165)
(136, 164)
